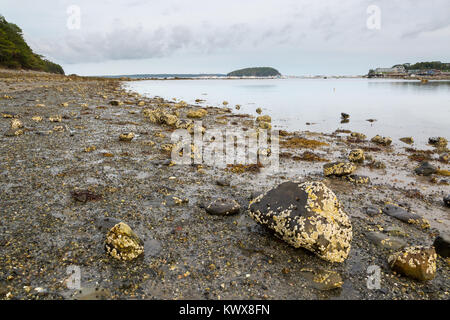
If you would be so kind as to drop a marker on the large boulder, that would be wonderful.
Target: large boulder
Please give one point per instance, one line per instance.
(306, 215)
(415, 262)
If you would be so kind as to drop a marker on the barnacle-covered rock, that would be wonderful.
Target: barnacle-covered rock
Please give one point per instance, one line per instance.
(338, 169)
(126, 136)
(196, 113)
(356, 155)
(358, 135)
(415, 262)
(223, 207)
(122, 243)
(159, 116)
(264, 125)
(16, 124)
(385, 141)
(306, 215)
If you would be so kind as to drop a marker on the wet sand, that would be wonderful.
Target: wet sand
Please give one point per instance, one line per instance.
(189, 254)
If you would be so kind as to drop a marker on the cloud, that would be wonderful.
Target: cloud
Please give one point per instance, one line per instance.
(119, 30)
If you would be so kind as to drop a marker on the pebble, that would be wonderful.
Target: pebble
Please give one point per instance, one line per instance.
(223, 207)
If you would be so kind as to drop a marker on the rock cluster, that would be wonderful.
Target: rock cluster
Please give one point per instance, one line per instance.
(306, 215)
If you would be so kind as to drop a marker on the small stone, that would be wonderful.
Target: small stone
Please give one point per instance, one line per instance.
(425, 169)
(115, 102)
(442, 245)
(358, 135)
(439, 142)
(406, 216)
(447, 200)
(16, 124)
(223, 182)
(237, 107)
(338, 169)
(122, 243)
(306, 215)
(356, 155)
(323, 279)
(385, 242)
(415, 262)
(258, 110)
(56, 118)
(385, 141)
(126, 136)
(373, 211)
(345, 115)
(407, 140)
(37, 118)
(377, 165)
(445, 157)
(223, 207)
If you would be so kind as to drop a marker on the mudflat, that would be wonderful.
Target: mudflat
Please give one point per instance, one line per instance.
(70, 171)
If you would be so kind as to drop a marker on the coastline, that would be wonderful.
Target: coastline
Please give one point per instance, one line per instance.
(189, 254)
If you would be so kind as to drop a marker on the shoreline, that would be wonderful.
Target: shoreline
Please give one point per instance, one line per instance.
(188, 253)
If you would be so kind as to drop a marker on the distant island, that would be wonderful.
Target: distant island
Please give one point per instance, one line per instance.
(255, 72)
(16, 54)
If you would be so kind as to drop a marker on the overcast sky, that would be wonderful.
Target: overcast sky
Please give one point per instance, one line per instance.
(298, 37)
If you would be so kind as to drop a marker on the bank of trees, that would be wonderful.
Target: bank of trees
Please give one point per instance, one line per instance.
(16, 54)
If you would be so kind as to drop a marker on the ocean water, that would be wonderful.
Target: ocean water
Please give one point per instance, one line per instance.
(401, 108)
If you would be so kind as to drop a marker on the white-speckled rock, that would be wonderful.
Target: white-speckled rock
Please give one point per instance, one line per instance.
(122, 243)
(306, 215)
(415, 262)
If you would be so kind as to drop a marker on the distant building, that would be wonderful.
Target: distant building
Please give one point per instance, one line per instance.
(396, 70)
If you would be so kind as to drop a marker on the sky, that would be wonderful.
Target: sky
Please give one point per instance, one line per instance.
(297, 37)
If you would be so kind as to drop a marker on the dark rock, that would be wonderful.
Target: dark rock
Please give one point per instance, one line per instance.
(114, 102)
(406, 216)
(442, 245)
(223, 207)
(415, 262)
(85, 196)
(385, 242)
(306, 215)
(372, 211)
(438, 141)
(425, 169)
(223, 182)
(447, 200)
(345, 115)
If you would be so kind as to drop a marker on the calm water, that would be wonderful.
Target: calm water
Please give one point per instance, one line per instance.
(401, 108)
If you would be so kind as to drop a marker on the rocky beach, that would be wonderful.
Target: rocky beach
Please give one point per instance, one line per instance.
(87, 182)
